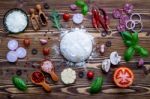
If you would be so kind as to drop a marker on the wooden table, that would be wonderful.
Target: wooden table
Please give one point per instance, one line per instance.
(140, 88)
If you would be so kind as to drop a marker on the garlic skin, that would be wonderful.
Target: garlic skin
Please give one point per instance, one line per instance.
(115, 58)
(68, 76)
(76, 45)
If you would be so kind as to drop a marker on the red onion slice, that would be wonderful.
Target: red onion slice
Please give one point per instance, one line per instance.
(117, 13)
(12, 44)
(128, 8)
(21, 52)
(11, 56)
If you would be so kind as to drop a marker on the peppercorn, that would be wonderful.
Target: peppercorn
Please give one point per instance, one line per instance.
(34, 51)
(81, 74)
(19, 72)
(108, 44)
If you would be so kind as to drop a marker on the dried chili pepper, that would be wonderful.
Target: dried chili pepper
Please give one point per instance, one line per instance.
(99, 20)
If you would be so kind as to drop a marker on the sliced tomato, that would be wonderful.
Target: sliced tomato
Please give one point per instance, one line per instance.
(123, 77)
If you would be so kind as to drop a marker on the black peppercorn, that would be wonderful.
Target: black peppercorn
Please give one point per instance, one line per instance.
(81, 74)
(19, 72)
(108, 44)
(34, 51)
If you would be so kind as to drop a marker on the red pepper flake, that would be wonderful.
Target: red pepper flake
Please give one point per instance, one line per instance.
(37, 77)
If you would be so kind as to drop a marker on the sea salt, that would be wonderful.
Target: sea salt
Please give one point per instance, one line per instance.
(16, 21)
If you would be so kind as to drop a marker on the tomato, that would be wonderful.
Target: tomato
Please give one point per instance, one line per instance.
(26, 42)
(90, 74)
(46, 51)
(123, 77)
(66, 16)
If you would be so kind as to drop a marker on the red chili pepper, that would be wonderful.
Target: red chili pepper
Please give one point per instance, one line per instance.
(99, 20)
(94, 23)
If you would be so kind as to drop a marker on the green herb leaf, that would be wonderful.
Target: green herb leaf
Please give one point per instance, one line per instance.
(96, 85)
(19, 83)
(126, 36)
(80, 3)
(84, 9)
(143, 52)
(55, 18)
(135, 38)
(129, 53)
(128, 43)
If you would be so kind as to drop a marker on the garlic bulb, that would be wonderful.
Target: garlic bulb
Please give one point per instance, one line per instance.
(68, 76)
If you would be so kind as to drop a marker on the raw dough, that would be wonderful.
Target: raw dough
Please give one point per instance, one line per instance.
(76, 46)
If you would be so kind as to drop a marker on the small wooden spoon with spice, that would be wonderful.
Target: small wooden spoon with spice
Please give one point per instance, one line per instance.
(34, 20)
(48, 67)
(42, 15)
(38, 78)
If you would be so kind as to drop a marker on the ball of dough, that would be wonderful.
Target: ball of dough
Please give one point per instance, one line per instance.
(76, 46)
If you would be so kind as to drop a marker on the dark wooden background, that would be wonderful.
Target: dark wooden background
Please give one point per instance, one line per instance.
(140, 88)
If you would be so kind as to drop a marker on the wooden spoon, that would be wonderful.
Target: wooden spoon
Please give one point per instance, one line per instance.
(34, 20)
(42, 15)
(48, 67)
(39, 79)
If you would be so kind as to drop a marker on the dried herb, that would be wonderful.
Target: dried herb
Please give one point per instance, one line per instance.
(55, 18)
(131, 40)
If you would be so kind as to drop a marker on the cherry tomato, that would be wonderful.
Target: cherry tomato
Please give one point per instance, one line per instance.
(66, 16)
(123, 77)
(26, 42)
(90, 74)
(46, 51)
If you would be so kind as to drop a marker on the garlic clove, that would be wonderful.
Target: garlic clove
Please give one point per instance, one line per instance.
(106, 65)
(43, 41)
(115, 58)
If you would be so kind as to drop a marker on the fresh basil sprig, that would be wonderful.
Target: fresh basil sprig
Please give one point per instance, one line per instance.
(131, 40)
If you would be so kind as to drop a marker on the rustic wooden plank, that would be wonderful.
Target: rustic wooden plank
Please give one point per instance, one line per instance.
(140, 88)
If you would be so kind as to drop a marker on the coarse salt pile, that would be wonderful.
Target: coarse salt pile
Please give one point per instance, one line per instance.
(16, 21)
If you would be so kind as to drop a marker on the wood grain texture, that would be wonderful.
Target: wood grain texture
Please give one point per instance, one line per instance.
(140, 88)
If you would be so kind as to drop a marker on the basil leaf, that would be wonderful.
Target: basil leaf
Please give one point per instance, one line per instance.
(80, 3)
(128, 43)
(19, 83)
(143, 52)
(126, 36)
(129, 53)
(135, 38)
(84, 9)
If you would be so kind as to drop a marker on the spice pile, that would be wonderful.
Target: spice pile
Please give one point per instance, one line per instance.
(76, 44)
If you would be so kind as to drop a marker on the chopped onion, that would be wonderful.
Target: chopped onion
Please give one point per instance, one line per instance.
(21, 52)
(11, 56)
(12, 44)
